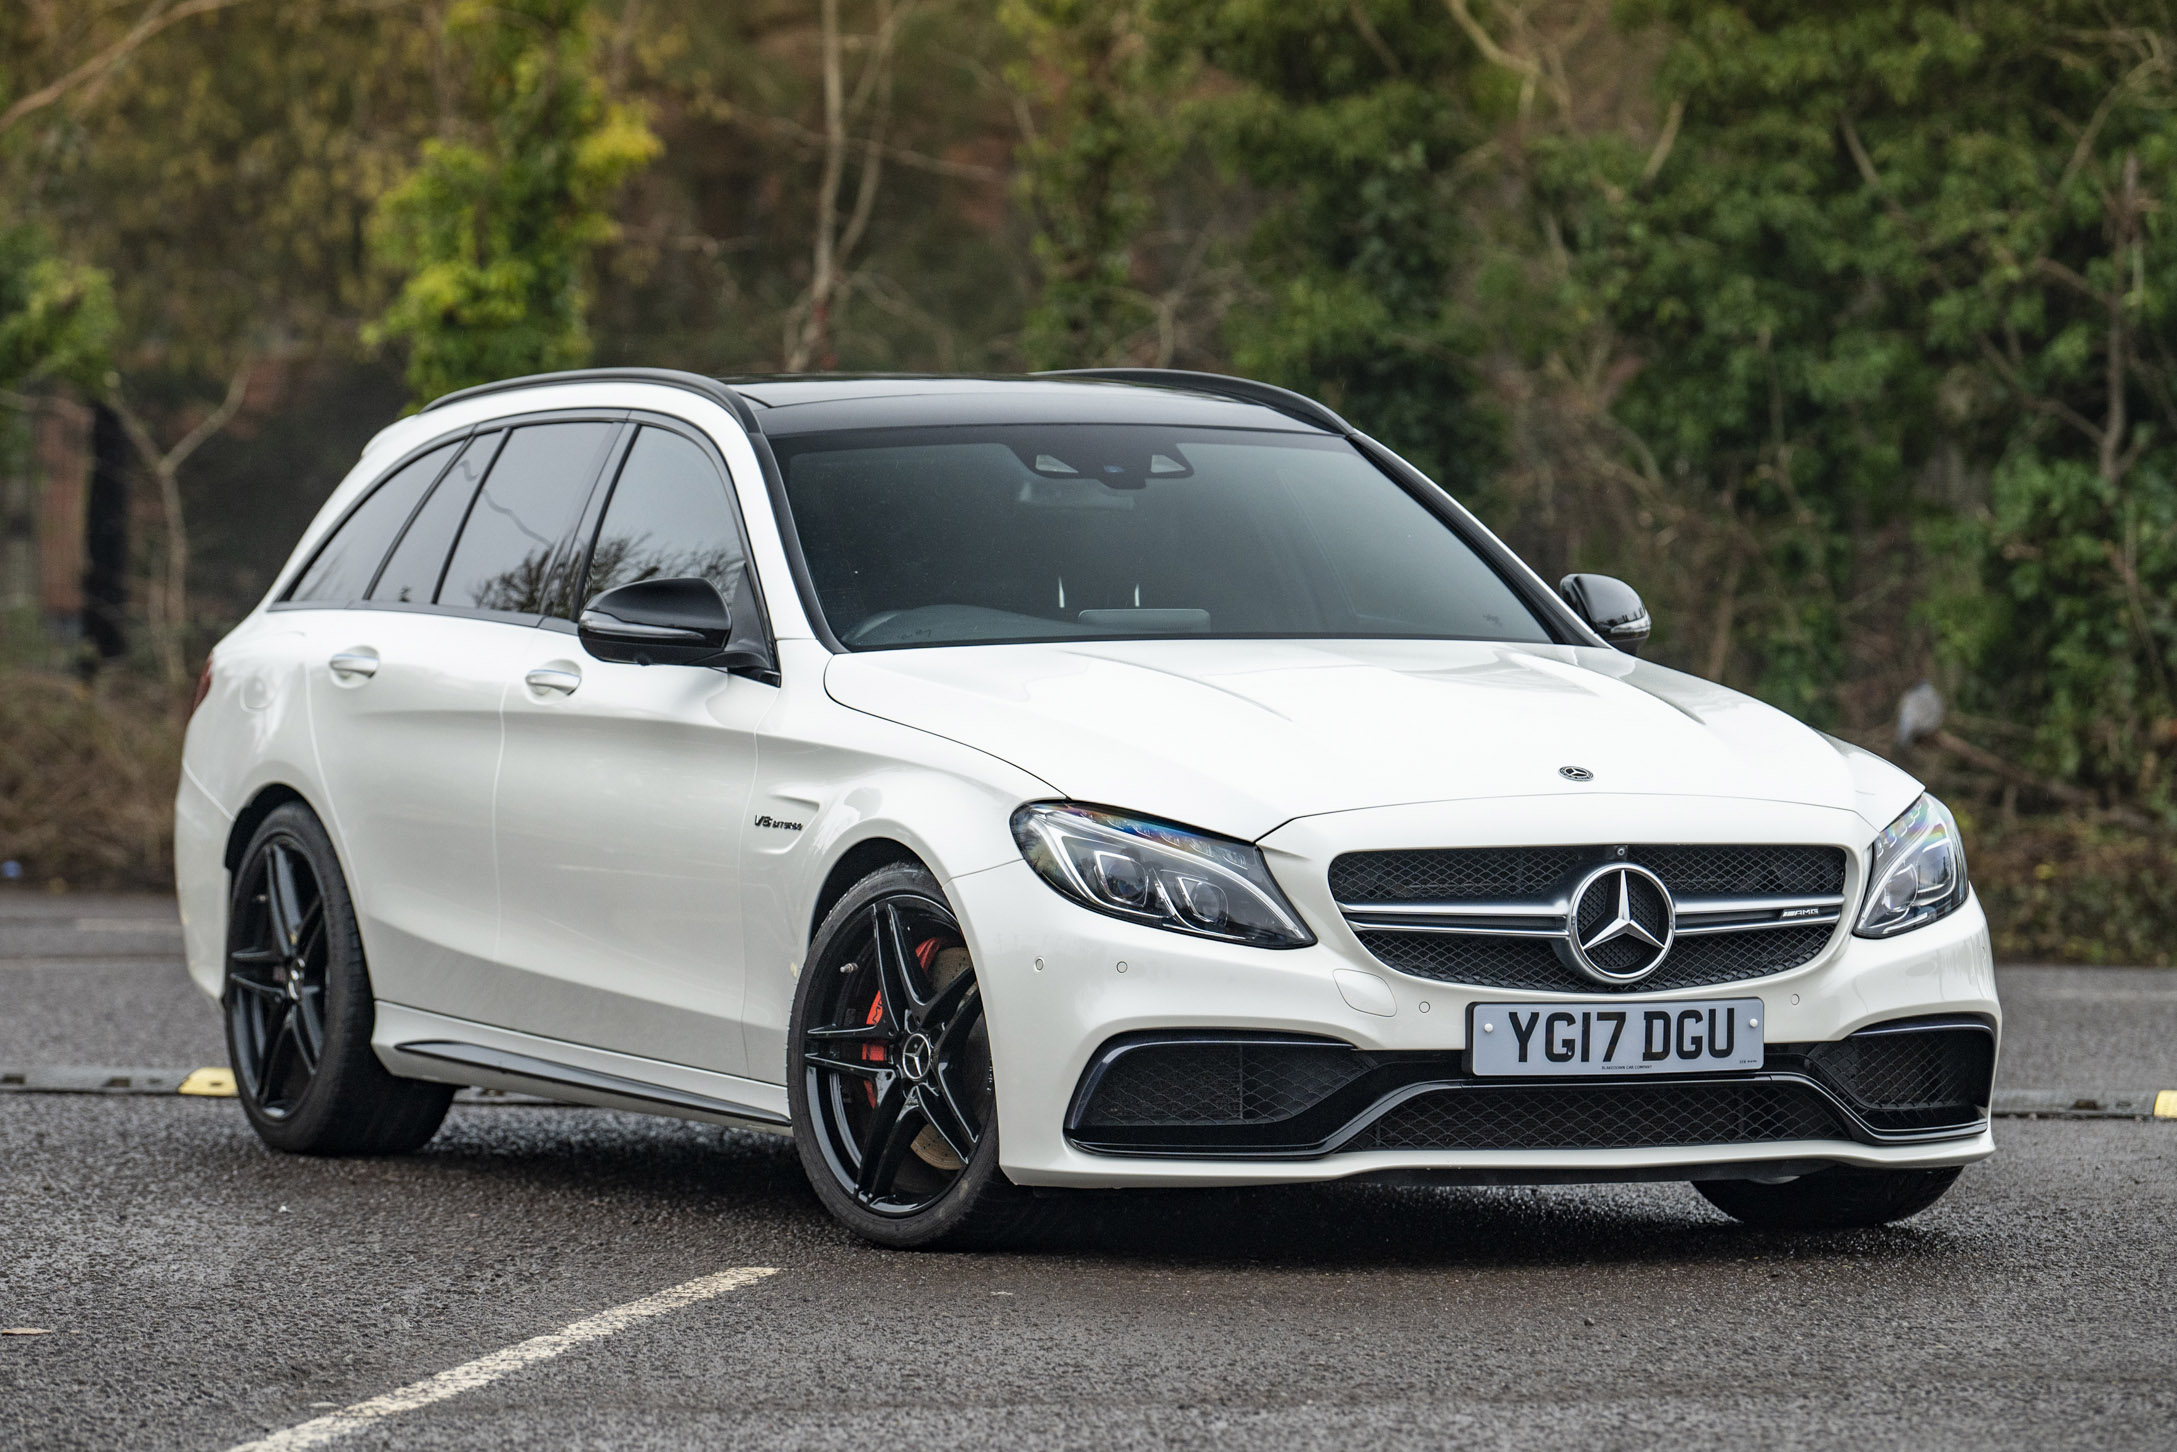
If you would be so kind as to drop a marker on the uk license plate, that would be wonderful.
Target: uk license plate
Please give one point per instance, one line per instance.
(1694, 1036)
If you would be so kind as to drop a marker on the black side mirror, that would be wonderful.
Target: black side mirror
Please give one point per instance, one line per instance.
(1611, 606)
(659, 622)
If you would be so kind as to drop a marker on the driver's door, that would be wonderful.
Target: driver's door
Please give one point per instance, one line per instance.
(624, 790)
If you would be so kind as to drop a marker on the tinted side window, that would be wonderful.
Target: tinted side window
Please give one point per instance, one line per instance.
(670, 518)
(522, 516)
(411, 575)
(345, 562)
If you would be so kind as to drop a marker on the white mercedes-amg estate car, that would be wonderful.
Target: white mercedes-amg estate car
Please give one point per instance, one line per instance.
(1116, 778)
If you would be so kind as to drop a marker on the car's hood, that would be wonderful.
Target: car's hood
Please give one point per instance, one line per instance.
(1240, 736)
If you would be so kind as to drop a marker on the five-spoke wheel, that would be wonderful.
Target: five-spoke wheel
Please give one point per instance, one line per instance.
(275, 998)
(299, 1009)
(893, 1096)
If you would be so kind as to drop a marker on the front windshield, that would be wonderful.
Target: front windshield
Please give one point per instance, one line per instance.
(953, 536)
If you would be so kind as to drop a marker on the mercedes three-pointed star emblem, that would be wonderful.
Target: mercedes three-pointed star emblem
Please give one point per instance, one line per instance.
(1621, 923)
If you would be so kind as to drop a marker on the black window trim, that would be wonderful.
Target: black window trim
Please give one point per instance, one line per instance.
(1544, 604)
(505, 425)
(1559, 618)
(605, 456)
(584, 543)
(286, 587)
(416, 513)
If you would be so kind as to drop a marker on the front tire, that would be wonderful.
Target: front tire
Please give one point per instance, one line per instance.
(889, 1075)
(1837, 1199)
(298, 1006)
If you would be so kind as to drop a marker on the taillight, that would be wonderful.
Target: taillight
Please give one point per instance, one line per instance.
(204, 686)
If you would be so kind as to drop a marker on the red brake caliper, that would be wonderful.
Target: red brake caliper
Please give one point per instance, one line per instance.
(925, 954)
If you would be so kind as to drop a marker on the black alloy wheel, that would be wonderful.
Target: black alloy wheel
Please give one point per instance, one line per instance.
(298, 1005)
(894, 1104)
(275, 996)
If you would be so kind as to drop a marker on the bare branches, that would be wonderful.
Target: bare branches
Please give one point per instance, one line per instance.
(1672, 119)
(2124, 224)
(1358, 11)
(2052, 407)
(1526, 67)
(898, 155)
(157, 16)
(170, 616)
(810, 325)
(815, 323)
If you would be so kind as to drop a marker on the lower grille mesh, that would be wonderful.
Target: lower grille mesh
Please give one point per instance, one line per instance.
(1919, 1080)
(1172, 1084)
(1616, 1116)
(1236, 1093)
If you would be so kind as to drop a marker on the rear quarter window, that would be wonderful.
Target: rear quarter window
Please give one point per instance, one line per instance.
(342, 568)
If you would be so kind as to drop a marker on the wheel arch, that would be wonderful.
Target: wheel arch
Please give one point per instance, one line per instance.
(854, 864)
(264, 803)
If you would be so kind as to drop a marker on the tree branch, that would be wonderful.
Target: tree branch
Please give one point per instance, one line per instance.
(1359, 13)
(1485, 43)
(156, 17)
(1964, 750)
(165, 470)
(2052, 407)
(1665, 142)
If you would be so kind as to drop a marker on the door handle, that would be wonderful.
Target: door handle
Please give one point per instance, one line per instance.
(358, 663)
(554, 680)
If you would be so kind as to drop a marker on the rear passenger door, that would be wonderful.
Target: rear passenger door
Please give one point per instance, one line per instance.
(406, 686)
(624, 790)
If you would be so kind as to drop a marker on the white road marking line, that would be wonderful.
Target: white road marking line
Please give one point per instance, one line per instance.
(487, 1369)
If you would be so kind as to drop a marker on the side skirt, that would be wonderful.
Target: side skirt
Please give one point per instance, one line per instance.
(418, 1044)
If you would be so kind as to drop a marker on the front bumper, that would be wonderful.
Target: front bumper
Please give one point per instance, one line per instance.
(1062, 982)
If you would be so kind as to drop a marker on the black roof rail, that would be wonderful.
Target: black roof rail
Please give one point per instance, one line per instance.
(1245, 390)
(709, 388)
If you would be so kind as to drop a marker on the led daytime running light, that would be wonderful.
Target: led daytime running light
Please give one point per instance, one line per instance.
(1158, 874)
(1917, 872)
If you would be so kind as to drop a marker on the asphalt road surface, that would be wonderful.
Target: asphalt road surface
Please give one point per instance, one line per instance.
(197, 1291)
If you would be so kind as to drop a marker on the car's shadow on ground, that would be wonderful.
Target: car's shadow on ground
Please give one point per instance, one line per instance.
(654, 1166)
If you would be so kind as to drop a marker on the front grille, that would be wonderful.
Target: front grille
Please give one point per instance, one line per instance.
(1482, 961)
(1536, 879)
(1613, 1116)
(1745, 871)
(1452, 874)
(1455, 873)
(1211, 1083)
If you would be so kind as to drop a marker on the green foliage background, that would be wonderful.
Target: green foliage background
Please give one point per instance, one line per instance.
(1844, 331)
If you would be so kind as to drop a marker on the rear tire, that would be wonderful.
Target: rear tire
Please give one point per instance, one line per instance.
(888, 1074)
(298, 1006)
(1838, 1199)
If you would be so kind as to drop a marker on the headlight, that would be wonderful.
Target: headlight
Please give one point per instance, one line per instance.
(1918, 874)
(1156, 873)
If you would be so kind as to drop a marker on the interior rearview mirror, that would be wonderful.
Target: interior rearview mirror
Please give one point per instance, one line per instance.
(1609, 605)
(659, 622)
